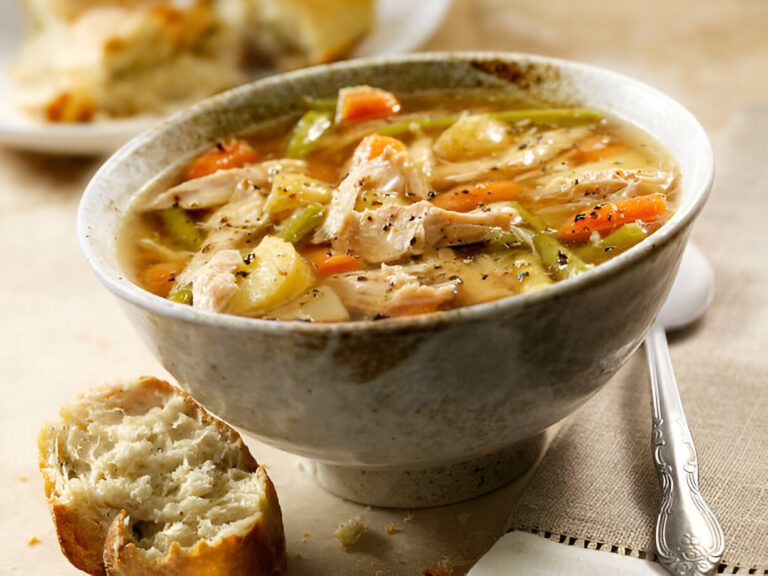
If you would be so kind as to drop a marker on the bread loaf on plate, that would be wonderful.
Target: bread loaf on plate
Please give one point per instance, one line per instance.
(141, 480)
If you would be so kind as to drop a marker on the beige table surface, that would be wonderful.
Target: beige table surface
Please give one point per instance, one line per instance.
(61, 332)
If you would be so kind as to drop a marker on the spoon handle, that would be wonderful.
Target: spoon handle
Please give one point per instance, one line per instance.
(689, 540)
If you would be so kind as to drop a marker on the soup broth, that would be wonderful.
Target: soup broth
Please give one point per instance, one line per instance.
(378, 205)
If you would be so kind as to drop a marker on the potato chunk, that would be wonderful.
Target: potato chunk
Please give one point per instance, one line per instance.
(319, 304)
(290, 191)
(275, 273)
(472, 137)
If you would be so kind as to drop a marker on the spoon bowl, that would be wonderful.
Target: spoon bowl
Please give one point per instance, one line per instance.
(692, 292)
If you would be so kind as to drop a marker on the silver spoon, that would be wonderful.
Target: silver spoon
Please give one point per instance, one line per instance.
(689, 540)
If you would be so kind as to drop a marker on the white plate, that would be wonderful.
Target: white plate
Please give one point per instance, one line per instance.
(401, 26)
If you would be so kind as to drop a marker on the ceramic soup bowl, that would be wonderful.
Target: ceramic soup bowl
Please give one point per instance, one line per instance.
(421, 410)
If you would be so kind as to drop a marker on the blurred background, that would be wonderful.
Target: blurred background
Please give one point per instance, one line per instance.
(61, 332)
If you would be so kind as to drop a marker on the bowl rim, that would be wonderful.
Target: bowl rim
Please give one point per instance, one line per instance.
(132, 293)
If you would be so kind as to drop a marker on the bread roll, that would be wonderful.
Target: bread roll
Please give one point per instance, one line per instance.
(117, 61)
(293, 33)
(141, 480)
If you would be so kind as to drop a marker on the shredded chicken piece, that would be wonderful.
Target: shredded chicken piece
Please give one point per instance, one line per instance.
(214, 283)
(600, 184)
(391, 291)
(422, 158)
(229, 228)
(218, 188)
(392, 232)
(519, 158)
(392, 171)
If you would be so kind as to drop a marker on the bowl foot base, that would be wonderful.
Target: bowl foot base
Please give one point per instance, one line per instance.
(435, 486)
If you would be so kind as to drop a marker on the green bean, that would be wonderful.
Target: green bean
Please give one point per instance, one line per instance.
(307, 132)
(182, 296)
(323, 104)
(552, 116)
(183, 231)
(301, 222)
(615, 243)
(561, 262)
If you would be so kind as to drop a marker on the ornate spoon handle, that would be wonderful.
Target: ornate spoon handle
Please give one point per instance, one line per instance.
(689, 540)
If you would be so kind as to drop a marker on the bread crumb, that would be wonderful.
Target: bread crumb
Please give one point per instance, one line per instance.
(443, 568)
(390, 528)
(305, 535)
(462, 518)
(32, 541)
(350, 532)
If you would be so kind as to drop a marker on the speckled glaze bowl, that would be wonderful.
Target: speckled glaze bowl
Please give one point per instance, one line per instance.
(415, 411)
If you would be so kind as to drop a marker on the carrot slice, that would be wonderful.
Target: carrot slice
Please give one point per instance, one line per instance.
(158, 278)
(327, 263)
(232, 154)
(466, 198)
(373, 146)
(606, 218)
(365, 103)
(596, 154)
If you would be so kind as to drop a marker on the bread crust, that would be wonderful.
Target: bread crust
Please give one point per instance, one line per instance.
(80, 533)
(102, 543)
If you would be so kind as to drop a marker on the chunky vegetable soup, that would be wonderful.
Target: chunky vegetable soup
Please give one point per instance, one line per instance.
(374, 205)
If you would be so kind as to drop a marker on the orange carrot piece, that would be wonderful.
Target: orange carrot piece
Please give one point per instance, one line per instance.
(327, 263)
(373, 146)
(232, 154)
(466, 198)
(158, 278)
(365, 103)
(595, 154)
(607, 218)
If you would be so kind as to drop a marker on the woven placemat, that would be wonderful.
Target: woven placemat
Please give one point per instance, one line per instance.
(597, 486)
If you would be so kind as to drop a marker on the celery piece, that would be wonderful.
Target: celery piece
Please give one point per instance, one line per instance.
(527, 217)
(307, 132)
(552, 116)
(301, 222)
(182, 296)
(506, 239)
(423, 123)
(561, 262)
(182, 230)
(615, 243)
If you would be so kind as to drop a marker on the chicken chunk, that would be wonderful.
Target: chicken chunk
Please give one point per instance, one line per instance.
(525, 156)
(393, 232)
(214, 283)
(391, 172)
(218, 188)
(599, 184)
(391, 291)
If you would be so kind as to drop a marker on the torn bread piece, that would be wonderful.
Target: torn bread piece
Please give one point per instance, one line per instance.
(142, 480)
